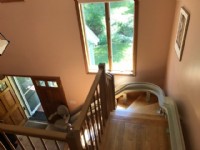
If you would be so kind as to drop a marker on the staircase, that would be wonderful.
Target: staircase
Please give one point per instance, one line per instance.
(132, 127)
(137, 127)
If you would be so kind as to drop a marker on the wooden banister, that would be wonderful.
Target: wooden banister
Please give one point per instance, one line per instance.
(88, 128)
(19, 130)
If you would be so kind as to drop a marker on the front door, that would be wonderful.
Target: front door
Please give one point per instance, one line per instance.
(50, 92)
(11, 111)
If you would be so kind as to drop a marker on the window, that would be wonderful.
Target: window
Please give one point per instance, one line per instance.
(3, 86)
(108, 34)
(52, 84)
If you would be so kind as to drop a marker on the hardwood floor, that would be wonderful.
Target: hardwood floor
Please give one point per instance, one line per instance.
(136, 129)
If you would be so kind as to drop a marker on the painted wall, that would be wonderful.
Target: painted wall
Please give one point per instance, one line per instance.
(45, 41)
(154, 32)
(183, 77)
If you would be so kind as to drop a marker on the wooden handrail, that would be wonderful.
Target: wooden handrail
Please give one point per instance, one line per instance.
(45, 134)
(88, 101)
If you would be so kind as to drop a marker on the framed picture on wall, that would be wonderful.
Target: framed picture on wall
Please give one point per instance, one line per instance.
(181, 32)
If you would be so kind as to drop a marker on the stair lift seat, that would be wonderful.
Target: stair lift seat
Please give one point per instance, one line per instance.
(63, 123)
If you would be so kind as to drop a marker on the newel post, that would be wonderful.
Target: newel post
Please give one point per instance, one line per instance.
(103, 91)
(112, 92)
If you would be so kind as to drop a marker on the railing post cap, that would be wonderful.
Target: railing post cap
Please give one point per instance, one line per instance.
(102, 66)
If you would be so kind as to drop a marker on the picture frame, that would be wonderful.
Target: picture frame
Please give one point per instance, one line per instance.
(181, 32)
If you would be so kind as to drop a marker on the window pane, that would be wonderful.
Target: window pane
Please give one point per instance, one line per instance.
(95, 33)
(24, 82)
(41, 83)
(52, 84)
(27, 91)
(3, 86)
(121, 17)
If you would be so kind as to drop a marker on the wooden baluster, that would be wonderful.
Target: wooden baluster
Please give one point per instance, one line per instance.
(96, 116)
(89, 130)
(20, 143)
(43, 143)
(83, 133)
(32, 145)
(99, 111)
(93, 123)
(8, 141)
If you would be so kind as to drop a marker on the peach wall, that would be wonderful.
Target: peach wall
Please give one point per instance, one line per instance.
(45, 41)
(154, 32)
(183, 78)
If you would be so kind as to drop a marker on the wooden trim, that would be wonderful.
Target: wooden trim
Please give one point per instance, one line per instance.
(108, 30)
(6, 1)
(82, 33)
(135, 36)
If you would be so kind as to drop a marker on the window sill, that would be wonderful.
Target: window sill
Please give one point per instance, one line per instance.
(125, 73)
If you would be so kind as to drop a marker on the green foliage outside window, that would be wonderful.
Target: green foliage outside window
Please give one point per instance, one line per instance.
(122, 31)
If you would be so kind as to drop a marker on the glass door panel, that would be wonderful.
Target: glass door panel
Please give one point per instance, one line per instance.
(28, 93)
(95, 34)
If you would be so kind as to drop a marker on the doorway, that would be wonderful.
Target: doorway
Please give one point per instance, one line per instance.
(39, 96)
(29, 98)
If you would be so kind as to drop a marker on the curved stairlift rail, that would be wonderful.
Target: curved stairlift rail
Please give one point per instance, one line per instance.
(166, 103)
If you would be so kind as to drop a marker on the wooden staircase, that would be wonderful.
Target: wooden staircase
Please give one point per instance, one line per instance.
(138, 127)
